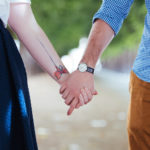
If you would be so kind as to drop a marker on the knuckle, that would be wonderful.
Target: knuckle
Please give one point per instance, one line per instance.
(66, 103)
(90, 98)
(72, 105)
(80, 103)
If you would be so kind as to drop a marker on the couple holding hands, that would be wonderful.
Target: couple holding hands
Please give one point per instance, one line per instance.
(16, 119)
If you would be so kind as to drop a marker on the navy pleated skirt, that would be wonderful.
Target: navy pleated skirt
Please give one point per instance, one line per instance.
(16, 120)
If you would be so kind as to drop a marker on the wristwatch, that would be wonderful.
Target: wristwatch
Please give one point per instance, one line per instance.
(82, 67)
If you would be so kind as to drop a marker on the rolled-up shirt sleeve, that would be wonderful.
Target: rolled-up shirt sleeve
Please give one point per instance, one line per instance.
(113, 12)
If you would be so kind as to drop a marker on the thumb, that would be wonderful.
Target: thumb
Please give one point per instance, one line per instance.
(71, 109)
(62, 89)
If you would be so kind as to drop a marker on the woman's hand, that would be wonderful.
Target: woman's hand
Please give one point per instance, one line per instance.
(71, 89)
(63, 78)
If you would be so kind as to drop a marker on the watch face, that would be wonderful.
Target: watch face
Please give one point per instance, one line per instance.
(82, 67)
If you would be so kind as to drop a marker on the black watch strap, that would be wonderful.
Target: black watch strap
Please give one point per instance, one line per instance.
(91, 70)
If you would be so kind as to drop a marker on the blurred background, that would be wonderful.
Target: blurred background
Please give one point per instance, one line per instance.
(101, 125)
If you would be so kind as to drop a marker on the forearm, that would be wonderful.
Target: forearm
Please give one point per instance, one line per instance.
(100, 36)
(36, 41)
(44, 53)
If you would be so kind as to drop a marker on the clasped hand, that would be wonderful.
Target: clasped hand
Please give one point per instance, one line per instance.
(77, 90)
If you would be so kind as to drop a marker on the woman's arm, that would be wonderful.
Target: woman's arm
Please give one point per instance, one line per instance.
(23, 22)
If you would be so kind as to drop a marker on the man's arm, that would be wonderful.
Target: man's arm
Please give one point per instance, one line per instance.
(107, 23)
(100, 36)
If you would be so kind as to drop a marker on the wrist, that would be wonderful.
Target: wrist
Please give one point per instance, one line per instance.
(88, 62)
(83, 67)
(63, 78)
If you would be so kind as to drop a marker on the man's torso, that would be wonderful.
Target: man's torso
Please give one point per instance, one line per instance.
(142, 62)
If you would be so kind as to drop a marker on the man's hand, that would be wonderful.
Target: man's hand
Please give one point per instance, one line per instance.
(78, 89)
(84, 98)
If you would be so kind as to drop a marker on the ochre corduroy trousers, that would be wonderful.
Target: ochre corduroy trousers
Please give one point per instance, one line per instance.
(139, 114)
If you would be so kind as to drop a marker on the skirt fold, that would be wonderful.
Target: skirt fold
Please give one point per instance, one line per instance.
(16, 120)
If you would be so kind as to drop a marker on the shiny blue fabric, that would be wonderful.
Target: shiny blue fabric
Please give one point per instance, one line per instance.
(113, 12)
(16, 121)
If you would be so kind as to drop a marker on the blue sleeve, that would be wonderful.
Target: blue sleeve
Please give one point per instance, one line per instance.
(113, 12)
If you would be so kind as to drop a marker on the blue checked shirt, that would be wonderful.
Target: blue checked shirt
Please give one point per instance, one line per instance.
(113, 12)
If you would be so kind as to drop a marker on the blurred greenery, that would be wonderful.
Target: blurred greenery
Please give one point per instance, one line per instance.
(66, 21)
(130, 34)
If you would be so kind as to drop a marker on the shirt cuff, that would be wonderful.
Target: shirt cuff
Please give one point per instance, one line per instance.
(114, 21)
